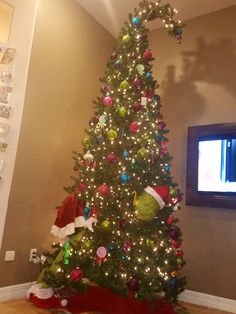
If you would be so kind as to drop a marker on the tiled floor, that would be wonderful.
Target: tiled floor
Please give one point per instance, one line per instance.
(23, 307)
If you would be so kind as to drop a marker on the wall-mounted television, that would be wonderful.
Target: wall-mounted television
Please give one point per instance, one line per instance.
(211, 165)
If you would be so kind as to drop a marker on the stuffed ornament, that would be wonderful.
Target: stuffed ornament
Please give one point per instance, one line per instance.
(153, 198)
(70, 215)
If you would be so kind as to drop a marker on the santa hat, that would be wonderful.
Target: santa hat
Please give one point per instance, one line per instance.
(161, 194)
(70, 216)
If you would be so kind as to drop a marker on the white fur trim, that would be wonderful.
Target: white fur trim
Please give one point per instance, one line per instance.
(155, 195)
(39, 292)
(69, 229)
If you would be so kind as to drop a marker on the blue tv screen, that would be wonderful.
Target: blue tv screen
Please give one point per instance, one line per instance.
(217, 165)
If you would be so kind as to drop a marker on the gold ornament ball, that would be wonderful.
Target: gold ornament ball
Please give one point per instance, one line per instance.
(150, 243)
(85, 142)
(122, 112)
(126, 39)
(142, 152)
(124, 85)
(111, 134)
(87, 244)
(106, 224)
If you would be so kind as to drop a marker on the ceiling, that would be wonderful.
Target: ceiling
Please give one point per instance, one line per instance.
(112, 13)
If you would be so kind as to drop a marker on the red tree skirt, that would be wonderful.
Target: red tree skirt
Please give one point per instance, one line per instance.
(104, 300)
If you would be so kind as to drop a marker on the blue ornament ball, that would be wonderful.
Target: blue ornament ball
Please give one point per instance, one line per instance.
(111, 247)
(124, 177)
(158, 138)
(118, 64)
(167, 167)
(173, 281)
(148, 75)
(136, 21)
(156, 99)
(125, 154)
(178, 31)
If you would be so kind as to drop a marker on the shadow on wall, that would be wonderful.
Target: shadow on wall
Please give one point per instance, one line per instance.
(211, 63)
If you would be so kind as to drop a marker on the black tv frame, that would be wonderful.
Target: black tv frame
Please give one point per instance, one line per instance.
(193, 196)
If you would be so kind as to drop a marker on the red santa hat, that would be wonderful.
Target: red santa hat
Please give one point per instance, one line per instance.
(70, 216)
(161, 194)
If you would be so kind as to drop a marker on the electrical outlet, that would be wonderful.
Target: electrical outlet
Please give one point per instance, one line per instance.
(33, 255)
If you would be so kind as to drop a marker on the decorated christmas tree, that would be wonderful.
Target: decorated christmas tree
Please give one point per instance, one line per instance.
(118, 221)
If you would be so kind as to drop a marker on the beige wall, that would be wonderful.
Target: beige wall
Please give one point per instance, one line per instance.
(69, 54)
(198, 86)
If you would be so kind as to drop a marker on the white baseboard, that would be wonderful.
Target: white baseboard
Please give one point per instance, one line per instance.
(211, 301)
(14, 292)
(208, 300)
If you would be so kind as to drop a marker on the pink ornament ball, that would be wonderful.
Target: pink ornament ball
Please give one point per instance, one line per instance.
(103, 189)
(64, 302)
(147, 55)
(101, 252)
(134, 127)
(76, 274)
(107, 101)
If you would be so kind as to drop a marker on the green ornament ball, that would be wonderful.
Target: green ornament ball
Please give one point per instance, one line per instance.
(106, 224)
(172, 192)
(142, 152)
(112, 134)
(145, 206)
(146, 137)
(124, 85)
(122, 112)
(126, 39)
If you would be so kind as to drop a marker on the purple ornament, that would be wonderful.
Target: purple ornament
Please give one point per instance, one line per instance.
(111, 158)
(161, 125)
(107, 101)
(173, 233)
(123, 224)
(133, 284)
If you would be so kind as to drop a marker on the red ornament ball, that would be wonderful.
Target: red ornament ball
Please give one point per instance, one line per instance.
(76, 274)
(170, 220)
(147, 55)
(134, 127)
(180, 253)
(133, 284)
(114, 55)
(111, 158)
(103, 189)
(136, 82)
(176, 244)
(107, 101)
(137, 107)
(123, 224)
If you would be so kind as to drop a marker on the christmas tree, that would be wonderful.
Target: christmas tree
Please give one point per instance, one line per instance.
(117, 219)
